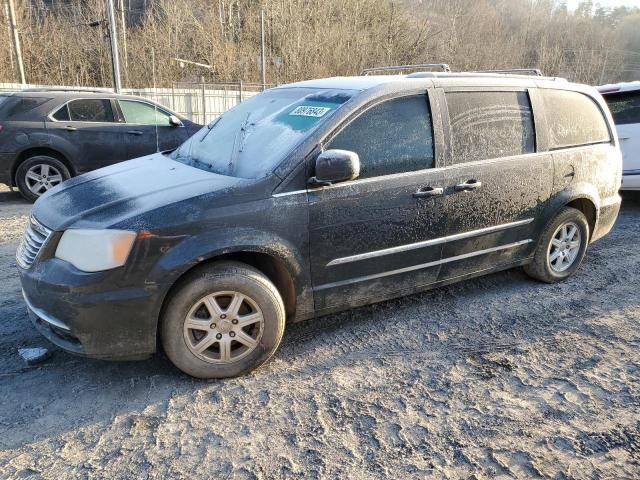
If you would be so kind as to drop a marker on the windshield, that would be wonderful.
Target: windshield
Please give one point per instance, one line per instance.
(250, 140)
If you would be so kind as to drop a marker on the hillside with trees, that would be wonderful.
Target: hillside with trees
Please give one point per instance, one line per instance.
(66, 42)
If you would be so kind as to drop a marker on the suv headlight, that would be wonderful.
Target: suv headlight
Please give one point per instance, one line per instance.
(95, 250)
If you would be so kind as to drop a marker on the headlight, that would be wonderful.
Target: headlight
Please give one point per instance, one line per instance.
(95, 250)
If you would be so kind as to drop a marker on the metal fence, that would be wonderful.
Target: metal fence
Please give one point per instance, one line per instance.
(199, 102)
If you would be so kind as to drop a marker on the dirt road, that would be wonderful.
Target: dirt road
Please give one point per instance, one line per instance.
(494, 377)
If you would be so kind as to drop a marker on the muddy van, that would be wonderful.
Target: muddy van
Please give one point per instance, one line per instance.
(317, 197)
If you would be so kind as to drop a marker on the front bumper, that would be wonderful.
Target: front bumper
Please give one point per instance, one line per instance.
(90, 314)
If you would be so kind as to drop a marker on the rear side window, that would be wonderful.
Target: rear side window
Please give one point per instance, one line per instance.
(392, 137)
(16, 106)
(490, 125)
(91, 110)
(143, 113)
(574, 119)
(625, 107)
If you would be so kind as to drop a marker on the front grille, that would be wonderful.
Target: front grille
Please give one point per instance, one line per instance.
(35, 236)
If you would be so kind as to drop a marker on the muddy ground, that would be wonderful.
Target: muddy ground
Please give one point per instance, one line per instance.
(494, 377)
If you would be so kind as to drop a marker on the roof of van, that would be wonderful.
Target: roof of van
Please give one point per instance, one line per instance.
(619, 87)
(366, 82)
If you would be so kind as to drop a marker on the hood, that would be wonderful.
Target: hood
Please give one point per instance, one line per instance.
(109, 196)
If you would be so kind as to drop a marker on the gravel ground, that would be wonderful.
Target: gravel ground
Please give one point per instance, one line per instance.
(493, 377)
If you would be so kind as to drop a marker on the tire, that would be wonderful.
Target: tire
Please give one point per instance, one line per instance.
(218, 299)
(556, 261)
(40, 173)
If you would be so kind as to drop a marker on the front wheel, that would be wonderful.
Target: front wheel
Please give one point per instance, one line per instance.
(561, 248)
(223, 321)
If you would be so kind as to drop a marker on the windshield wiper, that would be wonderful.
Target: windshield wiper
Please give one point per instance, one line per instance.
(241, 133)
(210, 127)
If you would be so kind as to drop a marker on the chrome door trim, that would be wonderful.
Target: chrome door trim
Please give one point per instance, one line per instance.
(428, 243)
(421, 266)
(284, 194)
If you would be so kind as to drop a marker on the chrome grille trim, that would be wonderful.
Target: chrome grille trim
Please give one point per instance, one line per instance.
(34, 238)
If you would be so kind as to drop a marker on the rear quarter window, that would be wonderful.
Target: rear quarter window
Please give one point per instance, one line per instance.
(625, 107)
(574, 119)
(15, 107)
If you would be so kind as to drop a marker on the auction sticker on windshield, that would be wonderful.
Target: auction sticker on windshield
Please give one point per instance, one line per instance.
(309, 111)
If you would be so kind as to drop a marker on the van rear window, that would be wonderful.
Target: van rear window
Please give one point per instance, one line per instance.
(625, 107)
(574, 119)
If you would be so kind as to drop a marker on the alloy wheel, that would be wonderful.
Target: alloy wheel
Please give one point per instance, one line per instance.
(42, 177)
(565, 247)
(223, 327)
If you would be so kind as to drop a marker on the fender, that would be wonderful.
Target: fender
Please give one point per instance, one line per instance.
(571, 192)
(187, 253)
(64, 146)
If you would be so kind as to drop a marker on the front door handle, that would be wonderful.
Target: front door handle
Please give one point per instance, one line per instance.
(427, 192)
(468, 186)
(134, 132)
(69, 128)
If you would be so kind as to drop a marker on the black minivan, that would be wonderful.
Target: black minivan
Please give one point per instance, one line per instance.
(318, 197)
(50, 135)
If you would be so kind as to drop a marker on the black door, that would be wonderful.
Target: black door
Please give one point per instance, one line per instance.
(148, 129)
(91, 131)
(378, 236)
(498, 184)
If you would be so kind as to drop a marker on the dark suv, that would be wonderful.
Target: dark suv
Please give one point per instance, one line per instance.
(48, 136)
(318, 197)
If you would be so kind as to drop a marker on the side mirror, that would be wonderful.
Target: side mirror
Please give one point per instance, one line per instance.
(335, 166)
(174, 121)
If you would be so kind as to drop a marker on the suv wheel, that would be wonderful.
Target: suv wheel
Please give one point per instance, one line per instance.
(38, 174)
(224, 320)
(562, 247)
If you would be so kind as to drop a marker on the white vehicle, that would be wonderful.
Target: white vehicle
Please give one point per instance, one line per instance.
(624, 102)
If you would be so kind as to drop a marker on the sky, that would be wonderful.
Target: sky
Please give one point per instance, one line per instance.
(572, 4)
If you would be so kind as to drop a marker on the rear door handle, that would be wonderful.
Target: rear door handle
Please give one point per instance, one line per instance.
(427, 192)
(69, 128)
(134, 132)
(468, 186)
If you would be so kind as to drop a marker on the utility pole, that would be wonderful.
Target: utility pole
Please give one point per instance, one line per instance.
(123, 23)
(16, 41)
(6, 15)
(264, 60)
(113, 36)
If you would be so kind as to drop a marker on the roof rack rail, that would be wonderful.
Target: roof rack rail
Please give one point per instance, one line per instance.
(444, 66)
(516, 71)
(58, 89)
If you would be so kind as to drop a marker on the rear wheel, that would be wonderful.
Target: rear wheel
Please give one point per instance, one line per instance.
(38, 174)
(562, 247)
(223, 321)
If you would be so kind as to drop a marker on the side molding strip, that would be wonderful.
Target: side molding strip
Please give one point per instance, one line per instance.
(428, 243)
(284, 194)
(421, 266)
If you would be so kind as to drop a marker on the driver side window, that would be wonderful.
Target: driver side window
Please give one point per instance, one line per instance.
(394, 136)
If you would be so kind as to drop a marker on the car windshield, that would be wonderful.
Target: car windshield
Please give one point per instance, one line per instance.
(250, 140)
